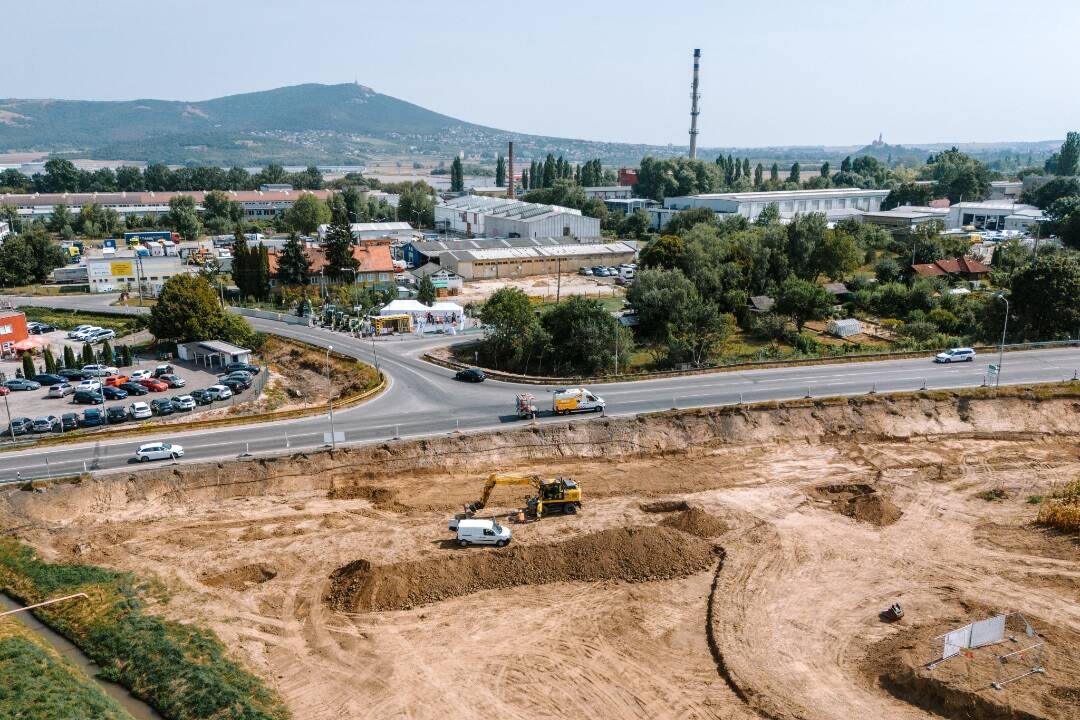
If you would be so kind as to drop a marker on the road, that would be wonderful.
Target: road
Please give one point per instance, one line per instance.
(423, 400)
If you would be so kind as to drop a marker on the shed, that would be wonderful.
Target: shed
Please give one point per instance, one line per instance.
(212, 353)
(844, 327)
(761, 303)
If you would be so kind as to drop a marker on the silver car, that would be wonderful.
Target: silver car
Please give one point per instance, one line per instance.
(158, 451)
(60, 390)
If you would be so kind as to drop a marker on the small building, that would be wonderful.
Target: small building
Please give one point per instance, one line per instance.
(212, 353)
(609, 192)
(628, 177)
(374, 266)
(1006, 190)
(966, 268)
(902, 220)
(994, 215)
(377, 230)
(477, 216)
(127, 271)
(627, 206)
(761, 303)
(843, 327)
(12, 330)
(838, 290)
(444, 279)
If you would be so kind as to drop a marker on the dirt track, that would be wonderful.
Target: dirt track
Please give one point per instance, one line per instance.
(825, 515)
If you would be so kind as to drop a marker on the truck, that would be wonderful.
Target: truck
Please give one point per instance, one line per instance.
(134, 238)
(567, 400)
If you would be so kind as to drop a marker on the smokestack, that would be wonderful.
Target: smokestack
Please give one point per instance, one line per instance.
(694, 97)
(510, 170)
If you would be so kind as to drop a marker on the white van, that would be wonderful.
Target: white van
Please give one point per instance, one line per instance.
(626, 273)
(568, 400)
(487, 531)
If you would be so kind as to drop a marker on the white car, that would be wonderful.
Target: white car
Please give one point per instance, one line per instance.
(955, 355)
(219, 392)
(99, 370)
(86, 332)
(100, 335)
(173, 381)
(60, 390)
(78, 329)
(158, 451)
(138, 375)
(183, 402)
(140, 411)
(89, 386)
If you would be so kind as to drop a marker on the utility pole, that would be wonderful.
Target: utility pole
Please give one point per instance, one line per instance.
(10, 428)
(330, 393)
(1001, 348)
(558, 277)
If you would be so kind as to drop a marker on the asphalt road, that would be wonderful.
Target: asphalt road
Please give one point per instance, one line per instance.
(424, 400)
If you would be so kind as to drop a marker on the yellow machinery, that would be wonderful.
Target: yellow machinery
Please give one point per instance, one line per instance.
(552, 494)
(392, 324)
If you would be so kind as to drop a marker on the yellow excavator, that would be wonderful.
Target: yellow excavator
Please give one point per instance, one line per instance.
(552, 494)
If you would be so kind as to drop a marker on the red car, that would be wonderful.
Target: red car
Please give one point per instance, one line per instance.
(153, 384)
(4, 391)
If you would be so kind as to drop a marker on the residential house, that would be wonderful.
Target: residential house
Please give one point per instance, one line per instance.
(965, 268)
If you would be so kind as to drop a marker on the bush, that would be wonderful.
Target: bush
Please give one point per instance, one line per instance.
(1062, 511)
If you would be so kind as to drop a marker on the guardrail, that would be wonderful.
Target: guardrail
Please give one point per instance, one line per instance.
(287, 318)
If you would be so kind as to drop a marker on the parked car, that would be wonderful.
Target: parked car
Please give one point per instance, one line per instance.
(60, 390)
(201, 397)
(116, 380)
(69, 421)
(46, 423)
(240, 377)
(100, 336)
(20, 426)
(4, 391)
(955, 355)
(163, 370)
(72, 375)
(475, 375)
(83, 335)
(183, 403)
(116, 414)
(92, 417)
(99, 370)
(138, 375)
(219, 392)
(173, 381)
(86, 397)
(236, 385)
(161, 406)
(22, 384)
(48, 379)
(114, 393)
(158, 451)
(585, 271)
(78, 329)
(154, 384)
(140, 411)
(89, 386)
(134, 388)
(39, 328)
(245, 367)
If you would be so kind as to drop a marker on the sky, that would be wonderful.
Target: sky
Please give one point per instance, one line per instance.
(773, 72)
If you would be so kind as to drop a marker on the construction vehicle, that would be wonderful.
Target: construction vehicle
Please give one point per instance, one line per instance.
(552, 494)
(565, 401)
(526, 406)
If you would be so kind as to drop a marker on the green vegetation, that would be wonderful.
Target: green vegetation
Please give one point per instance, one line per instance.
(67, 319)
(182, 670)
(188, 309)
(993, 494)
(39, 684)
(1061, 511)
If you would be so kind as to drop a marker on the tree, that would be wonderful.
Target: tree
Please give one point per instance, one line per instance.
(1047, 194)
(769, 215)
(60, 220)
(824, 169)
(759, 175)
(511, 328)
(500, 172)
(654, 295)
(221, 213)
(588, 336)
(294, 268)
(666, 251)
(686, 219)
(835, 255)
(1069, 156)
(958, 175)
(125, 356)
(802, 301)
(307, 214)
(635, 225)
(774, 173)
(696, 330)
(183, 218)
(88, 356)
(457, 176)
(187, 309)
(908, 194)
(1043, 296)
(107, 355)
(888, 270)
(28, 368)
(61, 176)
(1064, 217)
(416, 204)
(69, 357)
(550, 172)
(338, 246)
(793, 174)
(425, 293)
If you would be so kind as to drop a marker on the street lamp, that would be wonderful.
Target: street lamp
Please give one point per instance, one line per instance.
(330, 393)
(10, 427)
(1004, 328)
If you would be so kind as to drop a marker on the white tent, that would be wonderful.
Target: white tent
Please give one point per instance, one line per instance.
(440, 314)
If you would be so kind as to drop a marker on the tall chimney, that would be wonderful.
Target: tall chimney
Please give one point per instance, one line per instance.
(694, 97)
(510, 171)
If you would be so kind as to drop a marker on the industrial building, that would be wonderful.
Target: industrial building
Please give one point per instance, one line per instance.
(627, 206)
(543, 258)
(1006, 190)
(994, 215)
(375, 230)
(126, 271)
(609, 192)
(257, 204)
(835, 203)
(902, 220)
(12, 330)
(477, 216)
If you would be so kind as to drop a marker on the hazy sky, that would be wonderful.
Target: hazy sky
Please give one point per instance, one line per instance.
(779, 72)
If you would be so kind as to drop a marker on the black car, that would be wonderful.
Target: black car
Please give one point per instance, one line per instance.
(235, 384)
(20, 426)
(114, 393)
(201, 397)
(250, 369)
(134, 388)
(48, 379)
(161, 406)
(116, 414)
(69, 421)
(73, 375)
(92, 418)
(86, 397)
(470, 375)
(39, 328)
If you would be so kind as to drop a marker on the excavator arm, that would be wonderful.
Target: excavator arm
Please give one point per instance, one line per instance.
(497, 479)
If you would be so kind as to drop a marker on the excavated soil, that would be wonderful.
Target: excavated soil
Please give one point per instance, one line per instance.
(638, 554)
(241, 578)
(697, 522)
(665, 506)
(860, 502)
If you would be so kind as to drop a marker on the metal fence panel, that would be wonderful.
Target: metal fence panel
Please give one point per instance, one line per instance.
(956, 641)
(987, 632)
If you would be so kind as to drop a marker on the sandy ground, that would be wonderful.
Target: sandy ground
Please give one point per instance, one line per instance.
(542, 286)
(819, 531)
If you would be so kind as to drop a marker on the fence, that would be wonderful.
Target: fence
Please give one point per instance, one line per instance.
(287, 318)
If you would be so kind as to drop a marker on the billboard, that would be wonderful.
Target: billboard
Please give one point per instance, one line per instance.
(121, 269)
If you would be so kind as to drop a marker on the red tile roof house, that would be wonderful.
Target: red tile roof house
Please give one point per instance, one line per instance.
(375, 266)
(967, 268)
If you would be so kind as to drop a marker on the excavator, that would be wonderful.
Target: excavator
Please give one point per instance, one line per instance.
(552, 494)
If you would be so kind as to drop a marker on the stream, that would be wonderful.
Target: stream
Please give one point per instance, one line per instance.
(135, 707)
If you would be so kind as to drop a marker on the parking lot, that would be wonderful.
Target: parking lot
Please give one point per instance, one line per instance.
(34, 403)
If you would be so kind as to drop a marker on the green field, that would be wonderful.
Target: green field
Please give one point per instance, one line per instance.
(67, 319)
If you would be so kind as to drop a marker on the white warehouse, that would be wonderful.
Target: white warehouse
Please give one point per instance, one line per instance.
(836, 203)
(477, 216)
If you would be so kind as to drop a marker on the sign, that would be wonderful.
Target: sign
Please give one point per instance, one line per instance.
(994, 369)
(328, 438)
(122, 269)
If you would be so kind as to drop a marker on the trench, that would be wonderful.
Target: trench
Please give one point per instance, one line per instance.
(134, 707)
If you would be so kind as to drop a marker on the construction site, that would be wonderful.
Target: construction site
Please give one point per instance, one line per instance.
(721, 563)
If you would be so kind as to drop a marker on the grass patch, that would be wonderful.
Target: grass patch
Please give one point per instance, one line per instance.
(67, 319)
(993, 494)
(1062, 510)
(39, 684)
(182, 670)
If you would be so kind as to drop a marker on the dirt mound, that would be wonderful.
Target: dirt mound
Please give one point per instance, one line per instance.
(381, 497)
(241, 578)
(632, 554)
(697, 522)
(664, 506)
(860, 502)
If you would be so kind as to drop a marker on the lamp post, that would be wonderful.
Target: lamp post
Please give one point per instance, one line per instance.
(1004, 328)
(330, 394)
(11, 429)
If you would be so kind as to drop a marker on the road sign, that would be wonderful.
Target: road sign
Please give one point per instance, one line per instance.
(329, 438)
(994, 369)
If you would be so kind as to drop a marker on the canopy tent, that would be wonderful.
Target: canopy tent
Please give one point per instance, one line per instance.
(441, 314)
(30, 343)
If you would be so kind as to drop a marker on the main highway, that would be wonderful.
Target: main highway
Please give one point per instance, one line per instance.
(423, 400)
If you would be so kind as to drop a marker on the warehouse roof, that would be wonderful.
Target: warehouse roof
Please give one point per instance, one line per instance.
(430, 247)
(505, 207)
(510, 253)
(775, 195)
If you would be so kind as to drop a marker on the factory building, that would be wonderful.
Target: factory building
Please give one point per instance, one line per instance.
(477, 216)
(126, 271)
(257, 204)
(994, 215)
(902, 220)
(835, 203)
(511, 262)
(377, 230)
